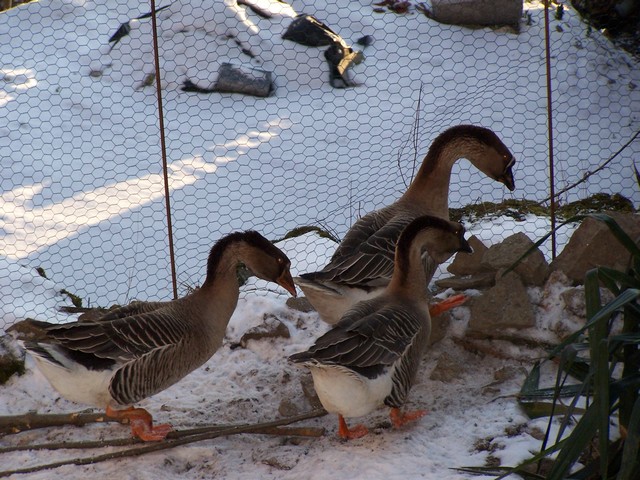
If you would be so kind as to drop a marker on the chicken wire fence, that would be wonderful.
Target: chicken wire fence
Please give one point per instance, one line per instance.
(83, 184)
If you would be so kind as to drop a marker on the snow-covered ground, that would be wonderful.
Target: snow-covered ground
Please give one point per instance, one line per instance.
(82, 196)
(82, 190)
(472, 414)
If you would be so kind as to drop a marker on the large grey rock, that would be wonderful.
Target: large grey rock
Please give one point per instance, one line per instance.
(469, 263)
(448, 369)
(271, 328)
(593, 245)
(477, 12)
(439, 326)
(533, 270)
(244, 79)
(506, 305)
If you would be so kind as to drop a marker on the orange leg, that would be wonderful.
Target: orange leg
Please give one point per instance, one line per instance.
(448, 304)
(349, 434)
(399, 419)
(141, 423)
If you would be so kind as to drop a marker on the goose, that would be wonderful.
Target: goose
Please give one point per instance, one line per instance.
(363, 262)
(371, 356)
(121, 359)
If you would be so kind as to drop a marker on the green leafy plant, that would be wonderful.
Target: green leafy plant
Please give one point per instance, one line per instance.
(603, 361)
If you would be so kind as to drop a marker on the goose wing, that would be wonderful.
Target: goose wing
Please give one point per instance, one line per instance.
(134, 308)
(153, 372)
(370, 264)
(366, 339)
(122, 339)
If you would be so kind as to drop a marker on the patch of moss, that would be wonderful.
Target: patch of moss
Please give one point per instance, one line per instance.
(76, 300)
(518, 209)
(9, 366)
(298, 231)
(597, 203)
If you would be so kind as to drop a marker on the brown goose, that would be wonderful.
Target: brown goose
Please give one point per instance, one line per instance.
(371, 356)
(363, 263)
(120, 360)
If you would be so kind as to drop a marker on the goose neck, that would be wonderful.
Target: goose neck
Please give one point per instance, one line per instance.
(430, 187)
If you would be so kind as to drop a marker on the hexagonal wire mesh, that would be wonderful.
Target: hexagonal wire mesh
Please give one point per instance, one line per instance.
(82, 180)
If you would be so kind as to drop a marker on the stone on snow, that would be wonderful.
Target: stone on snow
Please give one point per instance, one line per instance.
(506, 305)
(533, 269)
(593, 245)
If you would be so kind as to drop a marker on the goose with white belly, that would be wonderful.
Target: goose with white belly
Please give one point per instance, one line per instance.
(142, 349)
(371, 356)
(362, 265)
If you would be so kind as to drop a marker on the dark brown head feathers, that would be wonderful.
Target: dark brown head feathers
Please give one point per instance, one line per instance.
(250, 237)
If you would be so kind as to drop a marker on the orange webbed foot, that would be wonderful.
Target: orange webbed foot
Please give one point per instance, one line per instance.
(347, 433)
(448, 304)
(400, 419)
(141, 424)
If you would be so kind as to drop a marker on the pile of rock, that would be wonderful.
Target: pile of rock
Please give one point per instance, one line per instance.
(504, 302)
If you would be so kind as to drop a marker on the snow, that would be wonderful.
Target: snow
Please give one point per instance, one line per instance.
(82, 197)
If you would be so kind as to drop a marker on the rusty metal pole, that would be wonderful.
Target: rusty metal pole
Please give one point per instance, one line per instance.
(163, 147)
(547, 40)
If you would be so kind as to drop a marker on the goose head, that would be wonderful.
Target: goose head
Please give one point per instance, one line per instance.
(259, 255)
(268, 262)
(482, 147)
(492, 156)
(440, 238)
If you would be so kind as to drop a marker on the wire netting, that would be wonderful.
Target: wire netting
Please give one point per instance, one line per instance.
(82, 186)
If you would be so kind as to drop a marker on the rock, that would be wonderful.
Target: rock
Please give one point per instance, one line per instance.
(309, 391)
(508, 372)
(533, 269)
(271, 328)
(478, 281)
(477, 12)
(439, 326)
(237, 79)
(311, 32)
(448, 369)
(574, 301)
(287, 408)
(469, 263)
(340, 57)
(593, 245)
(506, 305)
(244, 79)
(300, 303)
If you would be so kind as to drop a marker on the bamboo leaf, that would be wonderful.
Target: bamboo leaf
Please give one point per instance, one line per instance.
(546, 409)
(626, 338)
(532, 381)
(575, 444)
(622, 279)
(550, 392)
(500, 471)
(601, 400)
(620, 301)
(630, 466)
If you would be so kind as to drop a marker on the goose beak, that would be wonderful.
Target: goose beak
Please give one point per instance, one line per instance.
(507, 176)
(507, 179)
(466, 248)
(286, 282)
